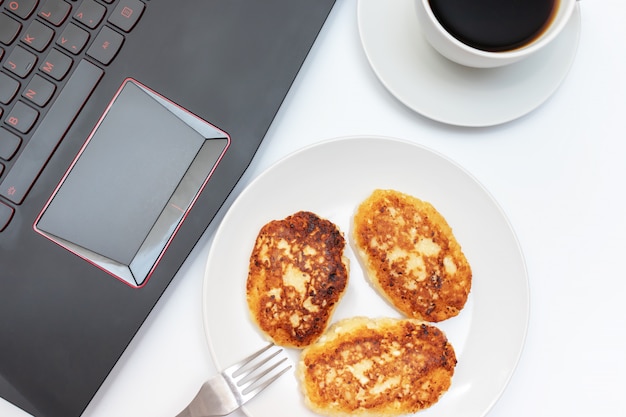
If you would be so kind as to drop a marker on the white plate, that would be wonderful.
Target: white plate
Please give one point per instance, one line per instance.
(331, 179)
(437, 88)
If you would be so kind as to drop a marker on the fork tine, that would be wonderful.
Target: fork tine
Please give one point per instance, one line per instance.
(250, 363)
(253, 390)
(255, 375)
(256, 372)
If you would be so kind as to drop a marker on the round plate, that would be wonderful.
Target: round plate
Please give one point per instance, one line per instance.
(331, 179)
(437, 88)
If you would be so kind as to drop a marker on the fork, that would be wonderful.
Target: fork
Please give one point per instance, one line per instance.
(237, 384)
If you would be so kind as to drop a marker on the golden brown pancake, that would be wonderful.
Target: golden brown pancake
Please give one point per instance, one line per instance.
(411, 256)
(297, 274)
(376, 367)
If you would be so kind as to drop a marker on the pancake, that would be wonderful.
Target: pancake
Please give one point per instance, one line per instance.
(297, 275)
(376, 367)
(411, 256)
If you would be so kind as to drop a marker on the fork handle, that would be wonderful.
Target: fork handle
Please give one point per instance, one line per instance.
(208, 402)
(186, 413)
(191, 409)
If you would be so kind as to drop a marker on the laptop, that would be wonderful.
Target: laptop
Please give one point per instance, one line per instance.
(124, 125)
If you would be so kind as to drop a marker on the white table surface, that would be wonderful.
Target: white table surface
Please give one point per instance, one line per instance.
(559, 173)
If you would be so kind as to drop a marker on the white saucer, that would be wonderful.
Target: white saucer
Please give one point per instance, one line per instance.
(450, 93)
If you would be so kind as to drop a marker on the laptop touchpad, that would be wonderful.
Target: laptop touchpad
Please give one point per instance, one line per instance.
(131, 186)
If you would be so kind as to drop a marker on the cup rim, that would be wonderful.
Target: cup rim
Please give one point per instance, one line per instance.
(548, 36)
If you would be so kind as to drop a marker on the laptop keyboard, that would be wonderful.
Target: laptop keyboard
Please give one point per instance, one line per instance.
(53, 53)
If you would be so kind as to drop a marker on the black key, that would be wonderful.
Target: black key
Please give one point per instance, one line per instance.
(22, 117)
(106, 45)
(9, 28)
(55, 11)
(126, 14)
(38, 36)
(9, 144)
(50, 132)
(39, 91)
(20, 62)
(8, 88)
(6, 213)
(90, 13)
(56, 64)
(21, 8)
(73, 39)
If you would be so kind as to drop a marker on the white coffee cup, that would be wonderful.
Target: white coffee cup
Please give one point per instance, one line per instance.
(459, 52)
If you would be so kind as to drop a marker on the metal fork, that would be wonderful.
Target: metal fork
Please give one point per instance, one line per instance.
(237, 384)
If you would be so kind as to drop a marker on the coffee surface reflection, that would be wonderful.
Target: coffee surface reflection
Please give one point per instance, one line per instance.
(495, 25)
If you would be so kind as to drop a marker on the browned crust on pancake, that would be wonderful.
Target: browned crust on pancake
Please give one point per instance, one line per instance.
(296, 276)
(376, 367)
(411, 255)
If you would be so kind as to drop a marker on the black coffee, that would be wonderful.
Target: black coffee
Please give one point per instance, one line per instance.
(494, 25)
